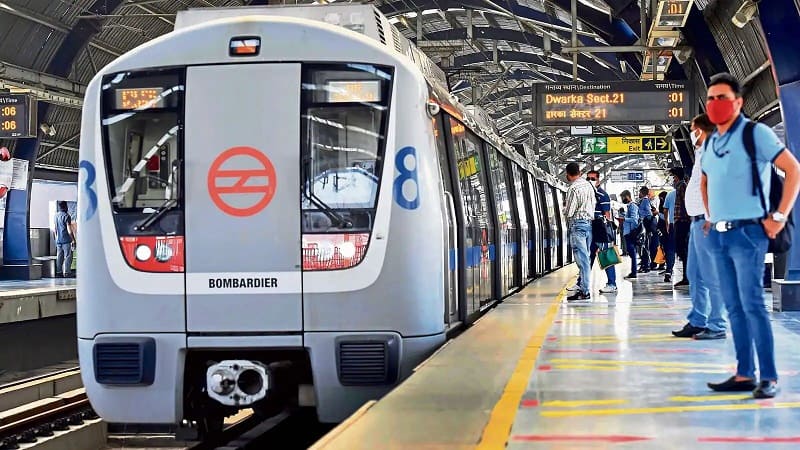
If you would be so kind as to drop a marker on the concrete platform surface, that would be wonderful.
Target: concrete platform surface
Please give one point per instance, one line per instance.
(538, 373)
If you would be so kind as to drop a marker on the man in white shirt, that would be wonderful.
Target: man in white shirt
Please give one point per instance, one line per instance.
(705, 318)
(579, 212)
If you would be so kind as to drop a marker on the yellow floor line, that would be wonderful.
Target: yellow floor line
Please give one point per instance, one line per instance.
(711, 398)
(495, 434)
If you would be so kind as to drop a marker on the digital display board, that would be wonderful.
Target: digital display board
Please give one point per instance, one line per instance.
(354, 91)
(617, 103)
(135, 98)
(17, 116)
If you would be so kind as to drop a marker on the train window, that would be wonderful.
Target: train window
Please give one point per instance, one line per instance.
(499, 181)
(141, 123)
(344, 120)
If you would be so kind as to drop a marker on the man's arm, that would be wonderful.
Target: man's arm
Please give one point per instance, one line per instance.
(571, 207)
(787, 163)
(704, 194)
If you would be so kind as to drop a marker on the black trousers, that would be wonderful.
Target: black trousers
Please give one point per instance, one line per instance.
(682, 241)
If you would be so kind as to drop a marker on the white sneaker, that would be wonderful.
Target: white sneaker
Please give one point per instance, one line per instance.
(574, 288)
(609, 289)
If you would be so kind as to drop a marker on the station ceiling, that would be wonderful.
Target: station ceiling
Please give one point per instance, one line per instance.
(492, 50)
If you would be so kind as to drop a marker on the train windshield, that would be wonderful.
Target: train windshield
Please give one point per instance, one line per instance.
(141, 123)
(344, 119)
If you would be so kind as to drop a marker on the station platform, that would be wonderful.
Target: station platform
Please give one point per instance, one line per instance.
(539, 373)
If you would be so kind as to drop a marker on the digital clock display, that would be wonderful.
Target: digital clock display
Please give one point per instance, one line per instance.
(16, 115)
(617, 103)
(354, 91)
(139, 98)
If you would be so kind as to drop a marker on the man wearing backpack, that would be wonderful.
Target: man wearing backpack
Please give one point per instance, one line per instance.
(742, 220)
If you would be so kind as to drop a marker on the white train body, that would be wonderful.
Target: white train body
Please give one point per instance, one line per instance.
(269, 220)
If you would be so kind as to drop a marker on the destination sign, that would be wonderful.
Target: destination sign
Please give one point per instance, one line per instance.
(599, 145)
(17, 116)
(618, 103)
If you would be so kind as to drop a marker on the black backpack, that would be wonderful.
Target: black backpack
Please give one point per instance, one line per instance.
(783, 241)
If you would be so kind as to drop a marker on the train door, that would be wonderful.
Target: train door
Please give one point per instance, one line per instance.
(567, 246)
(523, 268)
(506, 222)
(535, 224)
(559, 228)
(549, 234)
(451, 308)
(243, 175)
(478, 250)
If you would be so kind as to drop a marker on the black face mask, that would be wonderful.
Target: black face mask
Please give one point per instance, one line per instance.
(626, 200)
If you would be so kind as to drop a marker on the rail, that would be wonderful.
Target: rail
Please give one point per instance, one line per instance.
(42, 418)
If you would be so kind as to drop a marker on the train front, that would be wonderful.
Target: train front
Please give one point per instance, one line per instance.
(237, 211)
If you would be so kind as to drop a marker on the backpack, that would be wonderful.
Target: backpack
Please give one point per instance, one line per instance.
(783, 241)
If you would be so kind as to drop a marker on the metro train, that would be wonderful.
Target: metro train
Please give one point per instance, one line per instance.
(285, 207)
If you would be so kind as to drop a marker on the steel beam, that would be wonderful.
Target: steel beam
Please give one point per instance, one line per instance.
(605, 49)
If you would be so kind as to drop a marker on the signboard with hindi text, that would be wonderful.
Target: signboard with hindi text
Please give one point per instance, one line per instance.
(600, 145)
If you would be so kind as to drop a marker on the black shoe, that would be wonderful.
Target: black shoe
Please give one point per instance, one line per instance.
(663, 272)
(630, 276)
(766, 389)
(667, 278)
(688, 331)
(579, 296)
(683, 282)
(653, 266)
(643, 270)
(731, 385)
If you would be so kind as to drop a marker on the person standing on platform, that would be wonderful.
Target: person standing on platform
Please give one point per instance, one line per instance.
(668, 240)
(64, 241)
(579, 211)
(705, 319)
(630, 229)
(682, 221)
(601, 238)
(646, 214)
(740, 227)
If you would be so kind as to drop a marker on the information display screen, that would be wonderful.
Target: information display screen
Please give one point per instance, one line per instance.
(135, 98)
(354, 91)
(617, 103)
(17, 114)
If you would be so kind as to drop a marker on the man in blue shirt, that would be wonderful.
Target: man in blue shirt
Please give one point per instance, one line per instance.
(64, 240)
(668, 240)
(740, 229)
(600, 236)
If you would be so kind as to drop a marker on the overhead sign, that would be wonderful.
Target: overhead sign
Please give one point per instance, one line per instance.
(624, 176)
(17, 116)
(241, 181)
(600, 145)
(615, 103)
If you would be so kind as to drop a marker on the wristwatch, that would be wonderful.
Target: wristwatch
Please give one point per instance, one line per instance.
(778, 216)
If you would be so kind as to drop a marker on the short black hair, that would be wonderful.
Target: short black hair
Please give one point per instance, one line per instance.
(704, 123)
(593, 172)
(677, 172)
(625, 193)
(573, 169)
(644, 190)
(730, 80)
(62, 206)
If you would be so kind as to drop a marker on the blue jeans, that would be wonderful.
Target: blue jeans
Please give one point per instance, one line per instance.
(580, 238)
(707, 303)
(64, 258)
(668, 243)
(653, 247)
(611, 272)
(630, 244)
(739, 262)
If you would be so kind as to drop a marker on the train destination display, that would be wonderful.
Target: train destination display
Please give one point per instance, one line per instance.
(17, 116)
(599, 145)
(618, 103)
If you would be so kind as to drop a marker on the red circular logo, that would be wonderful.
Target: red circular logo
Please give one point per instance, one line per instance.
(249, 199)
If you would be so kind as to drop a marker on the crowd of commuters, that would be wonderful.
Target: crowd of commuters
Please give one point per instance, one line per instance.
(718, 223)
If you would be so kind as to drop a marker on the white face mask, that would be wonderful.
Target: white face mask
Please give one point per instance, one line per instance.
(695, 136)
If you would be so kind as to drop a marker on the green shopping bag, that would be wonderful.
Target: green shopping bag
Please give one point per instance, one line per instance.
(609, 257)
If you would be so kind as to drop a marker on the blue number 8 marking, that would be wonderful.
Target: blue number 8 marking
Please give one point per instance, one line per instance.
(406, 174)
(87, 186)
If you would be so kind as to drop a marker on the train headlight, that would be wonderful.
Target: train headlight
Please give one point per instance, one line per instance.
(347, 250)
(163, 252)
(432, 107)
(143, 253)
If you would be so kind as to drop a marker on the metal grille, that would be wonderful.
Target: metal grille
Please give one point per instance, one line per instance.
(363, 363)
(119, 363)
(379, 22)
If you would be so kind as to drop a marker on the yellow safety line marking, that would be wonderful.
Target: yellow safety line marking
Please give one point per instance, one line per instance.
(579, 403)
(495, 434)
(635, 363)
(667, 409)
(710, 398)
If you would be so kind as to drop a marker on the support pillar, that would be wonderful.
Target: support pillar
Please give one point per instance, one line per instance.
(780, 22)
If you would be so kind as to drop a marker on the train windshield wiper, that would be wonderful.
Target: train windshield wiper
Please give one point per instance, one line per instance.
(308, 192)
(174, 193)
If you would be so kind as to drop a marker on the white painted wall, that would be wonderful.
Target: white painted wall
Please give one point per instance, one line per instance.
(44, 192)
